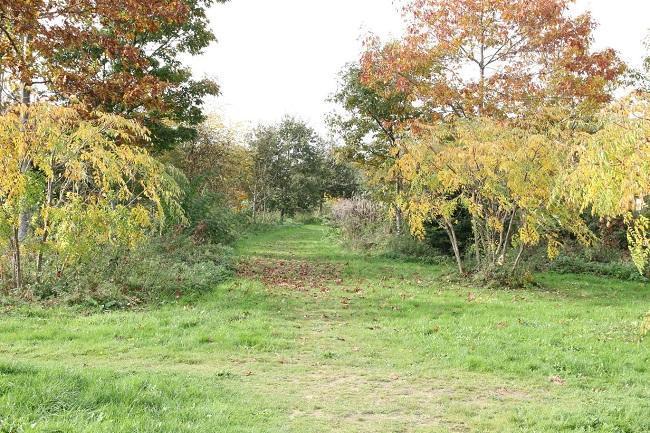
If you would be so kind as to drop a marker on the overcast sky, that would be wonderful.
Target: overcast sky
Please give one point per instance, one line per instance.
(277, 57)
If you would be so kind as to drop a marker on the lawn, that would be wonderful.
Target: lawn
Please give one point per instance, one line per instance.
(311, 337)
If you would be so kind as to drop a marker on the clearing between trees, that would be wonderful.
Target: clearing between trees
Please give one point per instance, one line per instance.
(311, 337)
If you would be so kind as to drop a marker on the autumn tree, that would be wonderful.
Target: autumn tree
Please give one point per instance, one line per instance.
(369, 122)
(118, 56)
(506, 178)
(91, 184)
(496, 58)
(505, 84)
(611, 175)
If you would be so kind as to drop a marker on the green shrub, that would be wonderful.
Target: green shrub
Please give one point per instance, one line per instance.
(164, 267)
(577, 264)
(211, 220)
(406, 247)
(308, 218)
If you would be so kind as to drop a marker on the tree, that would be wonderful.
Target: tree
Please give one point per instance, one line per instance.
(119, 56)
(218, 168)
(116, 56)
(506, 178)
(370, 126)
(90, 183)
(496, 58)
(506, 84)
(611, 176)
(339, 178)
(287, 168)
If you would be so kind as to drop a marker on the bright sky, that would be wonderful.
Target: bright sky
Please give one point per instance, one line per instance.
(277, 57)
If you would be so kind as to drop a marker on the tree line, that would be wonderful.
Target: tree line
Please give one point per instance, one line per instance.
(500, 113)
(493, 122)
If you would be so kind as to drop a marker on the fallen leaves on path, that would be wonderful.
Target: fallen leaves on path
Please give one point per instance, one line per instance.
(292, 274)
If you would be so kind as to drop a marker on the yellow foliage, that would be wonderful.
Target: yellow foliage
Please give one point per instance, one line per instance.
(506, 178)
(83, 178)
(612, 175)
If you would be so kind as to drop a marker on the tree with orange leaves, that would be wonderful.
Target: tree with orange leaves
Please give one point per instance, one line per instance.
(119, 56)
(506, 84)
(496, 58)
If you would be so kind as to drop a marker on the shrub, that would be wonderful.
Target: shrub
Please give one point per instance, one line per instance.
(579, 264)
(361, 222)
(211, 220)
(406, 247)
(163, 267)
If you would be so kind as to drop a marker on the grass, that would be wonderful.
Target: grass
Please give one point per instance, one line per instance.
(314, 338)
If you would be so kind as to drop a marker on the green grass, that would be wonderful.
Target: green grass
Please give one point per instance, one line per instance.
(336, 342)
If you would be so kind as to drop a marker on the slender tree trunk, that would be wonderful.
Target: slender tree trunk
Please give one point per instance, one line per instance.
(26, 164)
(16, 261)
(39, 259)
(399, 220)
(509, 234)
(449, 228)
(254, 207)
(477, 242)
(518, 259)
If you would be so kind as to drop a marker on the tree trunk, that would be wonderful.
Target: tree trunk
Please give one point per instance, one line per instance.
(399, 220)
(477, 242)
(25, 166)
(449, 228)
(518, 259)
(16, 261)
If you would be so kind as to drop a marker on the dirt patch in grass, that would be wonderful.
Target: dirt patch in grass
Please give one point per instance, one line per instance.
(292, 274)
(358, 401)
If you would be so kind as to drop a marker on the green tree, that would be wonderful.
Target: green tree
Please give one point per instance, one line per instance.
(370, 122)
(287, 168)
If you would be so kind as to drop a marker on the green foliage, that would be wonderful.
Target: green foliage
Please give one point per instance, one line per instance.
(579, 264)
(408, 248)
(160, 268)
(293, 171)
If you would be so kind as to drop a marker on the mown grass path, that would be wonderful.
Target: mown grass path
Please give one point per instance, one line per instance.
(310, 337)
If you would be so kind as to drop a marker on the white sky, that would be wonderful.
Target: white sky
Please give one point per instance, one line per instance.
(276, 57)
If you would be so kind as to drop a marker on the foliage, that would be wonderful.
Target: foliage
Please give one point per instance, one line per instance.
(293, 171)
(503, 96)
(89, 184)
(218, 169)
(369, 123)
(495, 58)
(362, 222)
(579, 264)
(503, 177)
(121, 57)
(612, 176)
(158, 268)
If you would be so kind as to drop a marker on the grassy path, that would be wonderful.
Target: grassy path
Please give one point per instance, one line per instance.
(313, 338)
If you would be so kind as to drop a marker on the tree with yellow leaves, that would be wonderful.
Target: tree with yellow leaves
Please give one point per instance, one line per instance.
(611, 178)
(89, 185)
(506, 178)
